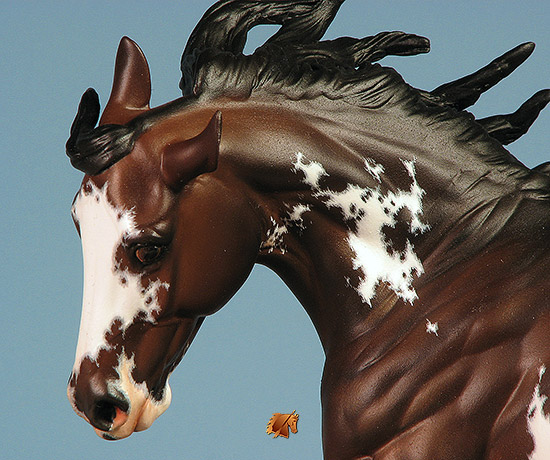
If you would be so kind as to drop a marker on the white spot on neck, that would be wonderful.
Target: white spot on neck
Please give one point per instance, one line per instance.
(295, 217)
(274, 238)
(373, 168)
(538, 423)
(372, 211)
(110, 294)
(313, 171)
(432, 328)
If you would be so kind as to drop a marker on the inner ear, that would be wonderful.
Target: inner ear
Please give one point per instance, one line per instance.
(183, 161)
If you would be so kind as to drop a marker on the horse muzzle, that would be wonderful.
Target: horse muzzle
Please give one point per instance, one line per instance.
(116, 407)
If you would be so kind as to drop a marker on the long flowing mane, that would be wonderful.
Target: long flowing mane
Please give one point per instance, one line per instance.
(297, 65)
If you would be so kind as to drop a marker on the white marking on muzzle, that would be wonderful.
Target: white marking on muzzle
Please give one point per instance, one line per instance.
(143, 410)
(110, 294)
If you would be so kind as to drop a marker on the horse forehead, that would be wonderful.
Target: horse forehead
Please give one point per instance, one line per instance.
(101, 222)
(132, 184)
(105, 219)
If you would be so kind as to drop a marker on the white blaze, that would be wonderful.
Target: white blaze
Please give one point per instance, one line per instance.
(372, 211)
(109, 293)
(538, 423)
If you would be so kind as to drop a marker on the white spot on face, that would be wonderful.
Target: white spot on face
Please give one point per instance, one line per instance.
(372, 211)
(109, 293)
(432, 328)
(71, 390)
(538, 423)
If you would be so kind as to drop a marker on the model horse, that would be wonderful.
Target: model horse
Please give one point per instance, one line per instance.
(418, 245)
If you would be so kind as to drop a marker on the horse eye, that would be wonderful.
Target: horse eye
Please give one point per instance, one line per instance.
(148, 254)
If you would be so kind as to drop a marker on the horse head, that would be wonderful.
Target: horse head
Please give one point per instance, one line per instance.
(143, 219)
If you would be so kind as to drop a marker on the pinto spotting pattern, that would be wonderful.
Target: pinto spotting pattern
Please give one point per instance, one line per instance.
(372, 210)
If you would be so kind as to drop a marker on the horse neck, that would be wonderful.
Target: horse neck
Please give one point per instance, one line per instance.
(326, 188)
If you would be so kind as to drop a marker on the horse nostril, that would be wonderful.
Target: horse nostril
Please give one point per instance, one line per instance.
(104, 412)
(107, 412)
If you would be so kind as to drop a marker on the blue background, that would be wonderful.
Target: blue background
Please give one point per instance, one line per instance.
(259, 354)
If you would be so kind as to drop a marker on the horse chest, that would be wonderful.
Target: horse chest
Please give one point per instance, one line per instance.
(436, 401)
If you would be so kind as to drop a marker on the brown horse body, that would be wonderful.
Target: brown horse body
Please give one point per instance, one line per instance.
(416, 243)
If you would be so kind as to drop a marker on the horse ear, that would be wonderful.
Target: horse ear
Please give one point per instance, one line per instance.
(131, 90)
(183, 161)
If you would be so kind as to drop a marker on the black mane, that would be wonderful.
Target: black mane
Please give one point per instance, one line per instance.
(94, 149)
(295, 62)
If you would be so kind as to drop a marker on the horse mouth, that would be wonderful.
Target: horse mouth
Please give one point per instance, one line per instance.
(113, 402)
(124, 407)
(142, 409)
(119, 418)
(143, 412)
